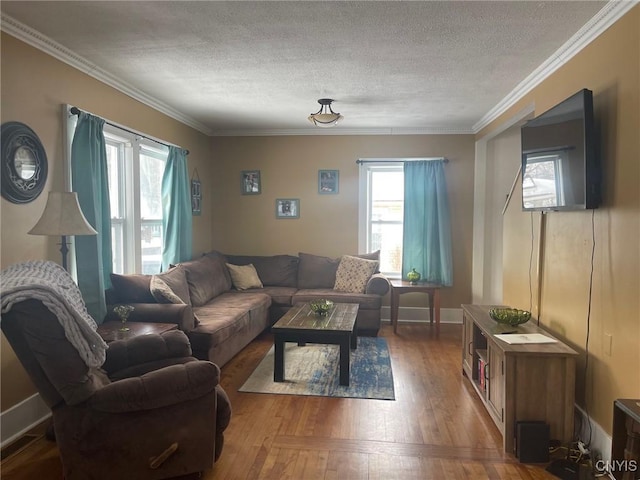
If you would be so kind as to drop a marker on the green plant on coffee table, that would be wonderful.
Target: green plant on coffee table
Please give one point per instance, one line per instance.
(123, 312)
(510, 316)
(321, 307)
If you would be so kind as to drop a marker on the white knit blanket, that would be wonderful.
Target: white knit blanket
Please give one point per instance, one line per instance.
(53, 286)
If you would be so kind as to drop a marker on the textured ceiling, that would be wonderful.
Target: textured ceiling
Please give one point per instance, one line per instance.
(256, 66)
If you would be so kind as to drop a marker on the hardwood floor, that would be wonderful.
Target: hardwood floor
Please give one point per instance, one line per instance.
(435, 429)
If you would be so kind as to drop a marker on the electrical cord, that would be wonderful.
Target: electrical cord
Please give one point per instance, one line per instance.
(530, 265)
(579, 452)
(573, 453)
(586, 366)
(586, 347)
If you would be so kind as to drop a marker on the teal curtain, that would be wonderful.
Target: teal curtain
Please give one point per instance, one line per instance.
(90, 180)
(176, 209)
(426, 244)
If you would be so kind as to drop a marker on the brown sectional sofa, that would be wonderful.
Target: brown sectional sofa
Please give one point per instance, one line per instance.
(221, 320)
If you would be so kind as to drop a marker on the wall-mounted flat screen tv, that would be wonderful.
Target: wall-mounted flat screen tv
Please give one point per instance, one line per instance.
(560, 164)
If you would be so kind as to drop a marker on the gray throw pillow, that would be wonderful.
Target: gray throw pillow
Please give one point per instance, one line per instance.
(171, 286)
(207, 277)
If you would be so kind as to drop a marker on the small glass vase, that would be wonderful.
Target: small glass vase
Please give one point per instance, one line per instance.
(123, 312)
(124, 327)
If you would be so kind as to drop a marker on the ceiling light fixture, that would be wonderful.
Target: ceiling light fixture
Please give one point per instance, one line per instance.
(325, 117)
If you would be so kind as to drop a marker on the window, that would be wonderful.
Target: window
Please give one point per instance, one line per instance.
(135, 168)
(381, 213)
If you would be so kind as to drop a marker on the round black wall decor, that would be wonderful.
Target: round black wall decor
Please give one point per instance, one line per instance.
(23, 163)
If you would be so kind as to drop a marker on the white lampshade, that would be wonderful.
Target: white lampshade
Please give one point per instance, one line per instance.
(62, 216)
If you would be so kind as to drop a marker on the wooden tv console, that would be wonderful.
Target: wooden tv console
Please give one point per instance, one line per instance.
(518, 382)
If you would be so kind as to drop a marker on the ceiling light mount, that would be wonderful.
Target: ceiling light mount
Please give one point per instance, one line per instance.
(325, 117)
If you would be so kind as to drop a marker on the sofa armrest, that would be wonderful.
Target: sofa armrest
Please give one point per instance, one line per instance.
(180, 314)
(146, 348)
(378, 284)
(157, 389)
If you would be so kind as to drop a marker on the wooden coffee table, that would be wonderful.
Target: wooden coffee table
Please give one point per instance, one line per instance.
(301, 325)
(110, 331)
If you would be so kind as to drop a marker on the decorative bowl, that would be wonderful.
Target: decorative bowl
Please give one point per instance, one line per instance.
(413, 276)
(510, 316)
(321, 307)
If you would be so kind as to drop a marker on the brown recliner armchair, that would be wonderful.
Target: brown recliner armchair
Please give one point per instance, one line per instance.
(116, 421)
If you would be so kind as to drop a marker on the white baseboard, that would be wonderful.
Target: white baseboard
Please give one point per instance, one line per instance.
(421, 314)
(21, 418)
(600, 445)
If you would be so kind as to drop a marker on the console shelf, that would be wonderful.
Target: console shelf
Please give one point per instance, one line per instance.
(518, 382)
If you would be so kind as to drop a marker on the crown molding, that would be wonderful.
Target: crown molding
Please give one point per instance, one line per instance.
(607, 16)
(37, 40)
(344, 131)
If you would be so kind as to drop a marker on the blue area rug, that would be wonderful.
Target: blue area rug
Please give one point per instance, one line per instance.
(314, 370)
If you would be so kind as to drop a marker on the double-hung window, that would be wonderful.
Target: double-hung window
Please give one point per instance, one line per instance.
(135, 166)
(381, 213)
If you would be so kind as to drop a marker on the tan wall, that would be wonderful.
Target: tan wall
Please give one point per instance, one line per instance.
(610, 67)
(34, 87)
(328, 224)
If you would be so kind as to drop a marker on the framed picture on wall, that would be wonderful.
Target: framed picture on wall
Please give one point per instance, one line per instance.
(196, 194)
(196, 206)
(287, 208)
(328, 182)
(250, 182)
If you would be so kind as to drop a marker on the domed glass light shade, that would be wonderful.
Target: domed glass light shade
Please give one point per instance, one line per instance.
(325, 117)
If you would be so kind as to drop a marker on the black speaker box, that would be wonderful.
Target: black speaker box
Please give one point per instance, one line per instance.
(532, 442)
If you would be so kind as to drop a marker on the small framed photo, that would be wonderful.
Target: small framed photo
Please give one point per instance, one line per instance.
(196, 197)
(250, 182)
(287, 208)
(328, 182)
(196, 207)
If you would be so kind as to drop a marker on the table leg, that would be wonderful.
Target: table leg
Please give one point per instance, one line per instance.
(278, 366)
(395, 300)
(430, 293)
(345, 361)
(436, 306)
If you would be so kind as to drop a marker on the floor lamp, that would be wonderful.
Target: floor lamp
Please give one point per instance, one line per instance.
(62, 216)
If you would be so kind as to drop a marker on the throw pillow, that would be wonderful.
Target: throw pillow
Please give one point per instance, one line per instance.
(315, 271)
(244, 276)
(163, 293)
(171, 286)
(132, 288)
(207, 277)
(273, 270)
(353, 274)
